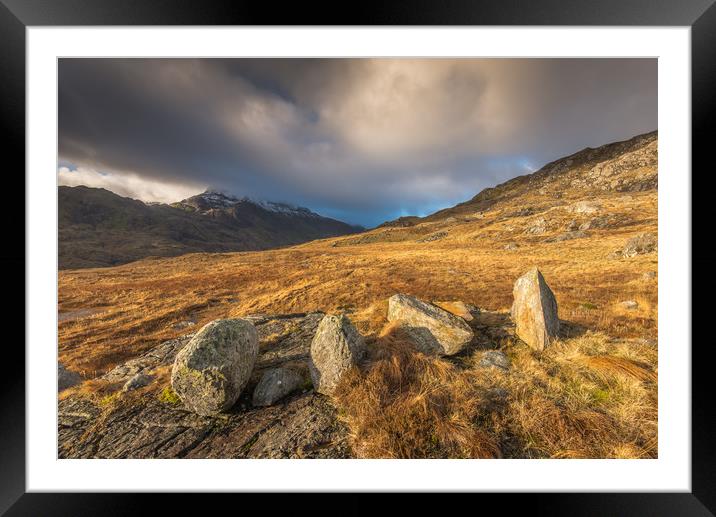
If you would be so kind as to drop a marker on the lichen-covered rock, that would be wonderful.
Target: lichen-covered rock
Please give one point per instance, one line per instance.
(585, 207)
(276, 384)
(66, 378)
(214, 367)
(640, 244)
(335, 349)
(534, 310)
(432, 329)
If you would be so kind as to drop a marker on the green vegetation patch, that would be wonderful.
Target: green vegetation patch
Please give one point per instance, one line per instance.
(169, 396)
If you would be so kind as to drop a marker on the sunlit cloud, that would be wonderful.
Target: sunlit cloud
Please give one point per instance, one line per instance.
(127, 185)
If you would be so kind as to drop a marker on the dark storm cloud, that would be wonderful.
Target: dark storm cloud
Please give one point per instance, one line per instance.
(364, 140)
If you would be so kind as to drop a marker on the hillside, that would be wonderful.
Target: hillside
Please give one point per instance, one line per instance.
(98, 228)
(588, 221)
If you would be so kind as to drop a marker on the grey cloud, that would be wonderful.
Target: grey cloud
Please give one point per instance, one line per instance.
(363, 139)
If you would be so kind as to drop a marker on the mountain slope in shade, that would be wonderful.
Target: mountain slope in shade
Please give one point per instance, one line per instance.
(98, 228)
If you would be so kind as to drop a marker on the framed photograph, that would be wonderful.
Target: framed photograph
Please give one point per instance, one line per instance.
(429, 249)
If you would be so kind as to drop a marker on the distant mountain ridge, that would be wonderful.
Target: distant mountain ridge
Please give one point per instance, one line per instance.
(98, 228)
(217, 200)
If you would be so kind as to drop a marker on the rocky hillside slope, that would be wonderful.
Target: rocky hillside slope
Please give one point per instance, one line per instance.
(98, 228)
(588, 221)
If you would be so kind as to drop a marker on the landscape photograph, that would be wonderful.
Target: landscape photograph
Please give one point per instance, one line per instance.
(356, 258)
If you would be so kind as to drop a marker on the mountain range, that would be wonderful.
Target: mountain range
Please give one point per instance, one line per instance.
(98, 228)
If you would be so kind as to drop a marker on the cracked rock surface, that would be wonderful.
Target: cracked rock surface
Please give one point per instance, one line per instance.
(140, 424)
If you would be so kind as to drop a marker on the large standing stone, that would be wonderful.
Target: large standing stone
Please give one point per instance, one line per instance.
(210, 372)
(434, 330)
(276, 384)
(534, 310)
(336, 347)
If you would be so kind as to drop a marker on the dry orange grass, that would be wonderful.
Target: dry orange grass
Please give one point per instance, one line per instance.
(591, 395)
(563, 404)
(410, 405)
(138, 303)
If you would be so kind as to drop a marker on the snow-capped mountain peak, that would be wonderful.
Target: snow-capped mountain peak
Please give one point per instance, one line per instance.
(212, 199)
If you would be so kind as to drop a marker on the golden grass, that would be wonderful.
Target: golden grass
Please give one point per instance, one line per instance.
(403, 404)
(410, 405)
(591, 395)
(141, 301)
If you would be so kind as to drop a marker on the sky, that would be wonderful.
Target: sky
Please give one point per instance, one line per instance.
(360, 140)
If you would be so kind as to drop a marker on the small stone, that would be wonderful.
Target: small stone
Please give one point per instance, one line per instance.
(629, 305)
(538, 226)
(138, 381)
(495, 359)
(275, 384)
(639, 245)
(585, 207)
(511, 246)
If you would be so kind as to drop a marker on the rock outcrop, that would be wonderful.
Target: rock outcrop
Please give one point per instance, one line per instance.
(66, 378)
(276, 384)
(336, 348)
(140, 424)
(534, 310)
(214, 367)
(639, 245)
(432, 329)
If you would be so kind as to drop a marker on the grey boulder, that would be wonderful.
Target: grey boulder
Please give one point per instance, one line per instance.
(432, 329)
(336, 348)
(640, 244)
(137, 381)
(210, 372)
(276, 384)
(494, 359)
(534, 310)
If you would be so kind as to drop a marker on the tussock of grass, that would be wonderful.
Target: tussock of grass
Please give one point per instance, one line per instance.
(409, 405)
(608, 365)
(92, 388)
(573, 401)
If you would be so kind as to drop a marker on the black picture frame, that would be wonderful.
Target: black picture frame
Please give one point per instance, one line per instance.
(17, 15)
